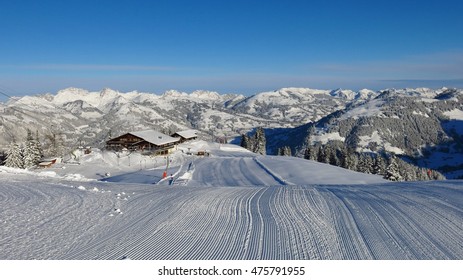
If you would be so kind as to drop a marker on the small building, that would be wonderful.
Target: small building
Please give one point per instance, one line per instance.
(45, 164)
(186, 135)
(144, 141)
(48, 162)
(202, 153)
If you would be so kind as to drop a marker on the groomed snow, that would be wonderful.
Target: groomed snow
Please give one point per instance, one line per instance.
(297, 171)
(231, 205)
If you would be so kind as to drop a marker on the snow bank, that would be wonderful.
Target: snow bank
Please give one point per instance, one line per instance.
(44, 174)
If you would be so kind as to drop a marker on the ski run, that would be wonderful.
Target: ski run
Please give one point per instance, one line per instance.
(231, 205)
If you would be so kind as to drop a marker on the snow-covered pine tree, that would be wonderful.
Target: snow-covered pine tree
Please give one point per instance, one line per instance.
(321, 155)
(246, 142)
(366, 163)
(260, 142)
(31, 153)
(14, 157)
(27, 153)
(421, 174)
(38, 145)
(287, 151)
(379, 166)
(407, 171)
(311, 153)
(284, 151)
(341, 154)
(392, 170)
(351, 160)
(333, 158)
(307, 153)
(51, 144)
(435, 175)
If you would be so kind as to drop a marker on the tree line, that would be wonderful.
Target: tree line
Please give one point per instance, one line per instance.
(25, 155)
(28, 153)
(387, 165)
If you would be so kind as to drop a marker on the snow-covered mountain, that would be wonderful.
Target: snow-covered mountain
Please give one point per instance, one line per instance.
(421, 125)
(297, 105)
(84, 117)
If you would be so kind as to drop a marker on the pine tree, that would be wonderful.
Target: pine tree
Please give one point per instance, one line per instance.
(421, 174)
(38, 146)
(333, 158)
(435, 175)
(284, 151)
(407, 171)
(371, 163)
(287, 151)
(321, 155)
(351, 160)
(379, 166)
(28, 150)
(260, 142)
(392, 170)
(311, 153)
(14, 157)
(366, 164)
(51, 146)
(246, 142)
(32, 153)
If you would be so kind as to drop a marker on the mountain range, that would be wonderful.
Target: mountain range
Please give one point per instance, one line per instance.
(424, 126)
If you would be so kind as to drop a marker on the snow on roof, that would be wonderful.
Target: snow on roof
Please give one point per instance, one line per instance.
(190, 133)
(155, 137)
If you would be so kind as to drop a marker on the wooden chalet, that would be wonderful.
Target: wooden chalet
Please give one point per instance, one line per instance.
(144, 141)
(186, 135)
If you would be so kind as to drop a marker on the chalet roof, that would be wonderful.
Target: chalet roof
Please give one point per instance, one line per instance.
(187, 134)
(154, 137)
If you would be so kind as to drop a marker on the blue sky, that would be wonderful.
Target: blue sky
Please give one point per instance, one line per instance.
(229, 46)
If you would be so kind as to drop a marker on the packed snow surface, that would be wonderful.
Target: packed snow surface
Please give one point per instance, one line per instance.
(231, 205)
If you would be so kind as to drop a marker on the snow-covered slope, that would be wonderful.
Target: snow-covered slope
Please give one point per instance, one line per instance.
(231, 205)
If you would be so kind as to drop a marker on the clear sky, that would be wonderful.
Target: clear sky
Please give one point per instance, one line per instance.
(229, 46)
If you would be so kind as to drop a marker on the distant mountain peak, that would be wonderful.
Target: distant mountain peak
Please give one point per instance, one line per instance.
(73, 90)
(108, 92)
(205, 94)
(174, 93)
(344, 94)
